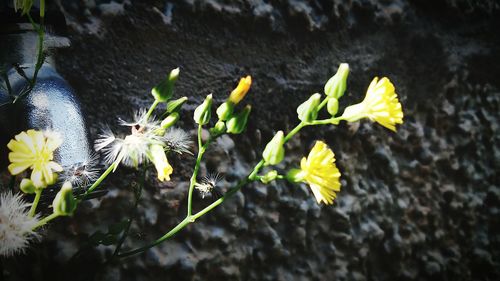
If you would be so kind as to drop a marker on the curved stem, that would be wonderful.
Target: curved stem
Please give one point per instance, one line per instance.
(169, 234)
(38, 194)
(190, 218)
(151, 109)
(192, 183)
(45, 220)
(97, 182)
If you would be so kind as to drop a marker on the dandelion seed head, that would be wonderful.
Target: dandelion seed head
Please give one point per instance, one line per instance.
(132, 149)
(207, 184)
(15, 224)
(177, 140)
(83, 173)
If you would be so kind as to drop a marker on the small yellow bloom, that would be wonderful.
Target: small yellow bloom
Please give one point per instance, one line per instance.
(159, 159)
(241, 90)
(35, 150)
(321, 173)
(380, 105)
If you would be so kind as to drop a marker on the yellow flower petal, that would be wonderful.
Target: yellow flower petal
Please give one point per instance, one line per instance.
(34, 150)
(241, 90)
(380, 105)
(321, 173)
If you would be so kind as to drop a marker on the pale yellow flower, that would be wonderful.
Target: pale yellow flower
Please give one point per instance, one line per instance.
(159, 159)
(241, 90)
(381, 105)
(35, 150)
(320, 172)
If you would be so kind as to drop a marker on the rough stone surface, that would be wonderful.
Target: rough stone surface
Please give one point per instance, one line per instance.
(421, 204)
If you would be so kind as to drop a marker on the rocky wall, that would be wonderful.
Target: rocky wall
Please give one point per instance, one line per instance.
(419, 204)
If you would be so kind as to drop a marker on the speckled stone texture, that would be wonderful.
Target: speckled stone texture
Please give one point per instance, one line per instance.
(421, 204)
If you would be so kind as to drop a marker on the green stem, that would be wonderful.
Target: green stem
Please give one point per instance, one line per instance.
(169, 234)
(38, 194)
(333, 121)
(45, 220)
(253, 176)
(39, 61)
(192, 183)
(132, 216)
(42, 9)
(151, 109)
(97, 182)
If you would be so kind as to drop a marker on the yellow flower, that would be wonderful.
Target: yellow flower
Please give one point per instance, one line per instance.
(380, 104)
(241, 90)
(35, 150)
(159, 159)
(320, 172)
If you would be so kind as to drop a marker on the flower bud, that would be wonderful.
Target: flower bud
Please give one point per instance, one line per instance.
(169, 121)
(225, 110)
(241, 90)
(27, 186)
(238, 123)
(203, 112)
(218, 129)
(308, 111)
(332, 106)
(164, 91)
(175, 105)
(269, 177)
(64, 203)
(159, 158)
(274, 151)
(336, 85)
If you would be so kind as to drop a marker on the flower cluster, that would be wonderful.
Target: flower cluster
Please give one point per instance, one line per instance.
(149, 141)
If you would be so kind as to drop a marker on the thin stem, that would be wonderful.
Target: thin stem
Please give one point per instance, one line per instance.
(169, 234)
(97, 182)
(253, 176)
(38, 194)
(333, 121)
(42, 8)
(323, 103)
(39, 61)
(45, 220)
(192, 183)
(151, 109)
(132, 216)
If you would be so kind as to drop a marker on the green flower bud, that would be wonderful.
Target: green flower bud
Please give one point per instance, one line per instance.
(164, 91)
(308, 111)
(225, 111)
(295, 175)
(169, 121)
(269, 177)
(238, 123)
(175, 105)
(27, 186)
(274, 151)
(64, 204)
(332, 106)
(336, 85)
(218, 129)
(203, 112)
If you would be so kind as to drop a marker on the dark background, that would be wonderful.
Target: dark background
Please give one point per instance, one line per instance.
(421, 204)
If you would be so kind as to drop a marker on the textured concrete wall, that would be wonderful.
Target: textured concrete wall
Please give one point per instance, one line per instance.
(422, 204)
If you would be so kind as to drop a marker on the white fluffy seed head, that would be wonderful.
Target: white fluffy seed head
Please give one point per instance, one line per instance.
(177, 140)
(207, 184)
(15, 224)
(131, 150)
